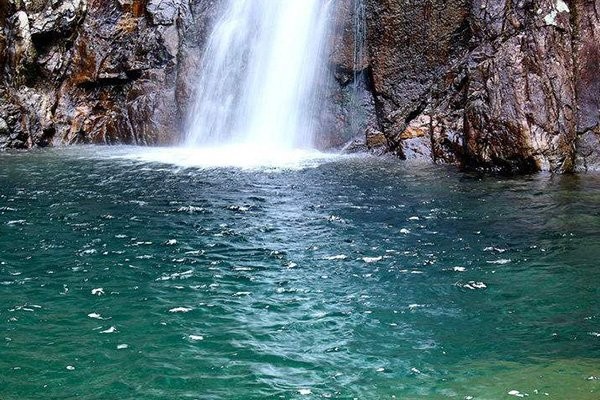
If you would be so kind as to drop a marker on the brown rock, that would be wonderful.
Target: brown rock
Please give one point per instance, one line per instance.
(587, 83)
(499, 79)
(410, 44)
(376, 139)
(98, 71)
(519, 110)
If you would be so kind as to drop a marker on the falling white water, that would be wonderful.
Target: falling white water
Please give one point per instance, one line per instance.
(259, 80)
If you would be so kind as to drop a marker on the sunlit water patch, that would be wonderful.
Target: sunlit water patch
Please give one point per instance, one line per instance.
(131, 273)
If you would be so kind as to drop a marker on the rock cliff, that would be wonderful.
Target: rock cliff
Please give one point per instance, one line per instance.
(503, 85)
(97, 71)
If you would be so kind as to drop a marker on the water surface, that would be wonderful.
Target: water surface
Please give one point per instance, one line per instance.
(356, 277)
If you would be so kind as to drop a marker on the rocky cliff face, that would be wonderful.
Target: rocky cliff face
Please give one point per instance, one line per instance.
(506, 85)
(97, 71)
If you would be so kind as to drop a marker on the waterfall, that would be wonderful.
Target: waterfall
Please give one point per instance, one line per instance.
(357, 108)
(260, 73)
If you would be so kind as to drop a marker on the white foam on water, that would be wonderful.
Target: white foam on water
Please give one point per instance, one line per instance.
(472, 285)
(501, 261)
(337, 257)
(370, 260)
(242, 269)
(16, 222)
(88, 252)
(494, 249)
(191, 209)
(516, 393)
(247, 157)
(180, 310)
(177, 275)
(234, 156)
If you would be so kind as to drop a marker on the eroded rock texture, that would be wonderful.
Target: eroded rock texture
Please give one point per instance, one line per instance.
(123, 71)
(504, 85)
(351, 113)
(97, 71)
(587, 71)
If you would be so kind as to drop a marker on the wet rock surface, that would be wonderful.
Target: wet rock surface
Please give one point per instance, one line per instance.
(91, 71)
(509, 86)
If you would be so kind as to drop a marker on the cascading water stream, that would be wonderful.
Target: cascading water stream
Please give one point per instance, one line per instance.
(260, 75)
(357, 117)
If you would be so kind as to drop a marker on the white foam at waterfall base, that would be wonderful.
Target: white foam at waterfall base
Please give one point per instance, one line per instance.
(232, 156)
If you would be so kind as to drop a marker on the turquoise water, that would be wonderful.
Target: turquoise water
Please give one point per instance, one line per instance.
(343, 278)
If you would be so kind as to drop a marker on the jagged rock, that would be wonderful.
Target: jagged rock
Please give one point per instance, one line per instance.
(14, 135)
(587, 62)
(77, 71)
(2, 49)
(59, 18)
(134, 7)
(20, 47)
(410, 45)
(350, 110)
(519, 109)
(498, 77)
(3, 127)
(376, 140)
(588, 155)
(163, 12)
(37, 117)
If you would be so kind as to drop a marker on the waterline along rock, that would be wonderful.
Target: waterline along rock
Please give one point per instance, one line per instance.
(510, 86)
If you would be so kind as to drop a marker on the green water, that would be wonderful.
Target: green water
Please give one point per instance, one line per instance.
(350, 278)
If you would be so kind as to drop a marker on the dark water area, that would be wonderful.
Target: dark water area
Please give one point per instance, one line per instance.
(350, 277)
